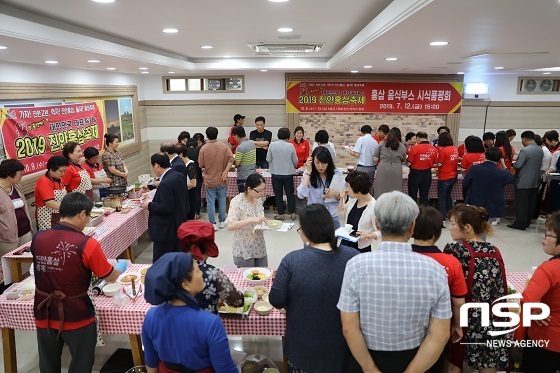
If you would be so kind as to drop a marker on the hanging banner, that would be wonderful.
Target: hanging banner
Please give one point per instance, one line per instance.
(34, 134)
(373, 97)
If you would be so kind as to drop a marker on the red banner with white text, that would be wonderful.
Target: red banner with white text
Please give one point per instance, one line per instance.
(373, 97)
(33, 134)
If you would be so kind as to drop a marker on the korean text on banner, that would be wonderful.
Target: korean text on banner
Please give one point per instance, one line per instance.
(33, 134)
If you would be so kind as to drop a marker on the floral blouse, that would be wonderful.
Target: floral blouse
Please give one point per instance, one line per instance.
(217, 286)
(246, 242)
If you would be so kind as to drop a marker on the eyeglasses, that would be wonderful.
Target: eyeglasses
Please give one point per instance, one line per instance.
(258, 191)
(546, 235)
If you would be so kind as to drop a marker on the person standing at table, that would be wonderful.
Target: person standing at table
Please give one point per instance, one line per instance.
(307, 348)
(391, 155)
(474, 153)
(76, 177)
(245, 155)
(194, 146)
(448, 159)
(301, 145)
(99, 179)
(192, 180)
(238, 120)
(440, 130)
(216, 160)
(381, 134)
(364, 150)
(527, 181)
(183, 138)
(262, 139)
(15, 225)
(282, 159)
(49, 192)
(508, 152)
(488, 139)
(552, 141)
(421, 158)
(64, 260)
(545, 165)
(322, 139)
(409, 141)
(113, 164)
(178, 165)
(166, 213)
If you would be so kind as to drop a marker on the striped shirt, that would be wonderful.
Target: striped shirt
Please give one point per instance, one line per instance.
(396, 291)
(246, 155)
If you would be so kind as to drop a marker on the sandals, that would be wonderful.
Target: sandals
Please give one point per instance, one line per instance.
(293, 217)
(279, 217)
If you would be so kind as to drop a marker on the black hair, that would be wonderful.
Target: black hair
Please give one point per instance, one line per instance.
(474, 144)
(323, 155)
(192, 143)
(73, 203)
(502, 139)
(445, 139)
(443, 128)
(183, 135)
(182, 150)
(317, 224)
(549, 135)
(488, 136)
(168, 147)
(56, 162)
(409, 135)
(212, 133)
(383, 128)
(260, 119)
(299, 128)
(239, 131)
(530, 135)
(493, 154)
(109, 138)
(429, 224)
(198, 137)
(161, 159)
(422, 135)
(69, 148)
(538, 140)
(90, 152)
(511, 132)
(10, 167)
(366, 128)
(284, 133)
(359, 182)
(322, 137)
(253, 181)
(394, 139)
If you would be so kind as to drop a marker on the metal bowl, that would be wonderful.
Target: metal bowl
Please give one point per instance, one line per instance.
(116, 190)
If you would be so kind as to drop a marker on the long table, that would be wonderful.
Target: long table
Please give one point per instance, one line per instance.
(233, 190)
(122, 230)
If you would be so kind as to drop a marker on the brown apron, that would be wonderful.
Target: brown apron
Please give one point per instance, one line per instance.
(58, 297)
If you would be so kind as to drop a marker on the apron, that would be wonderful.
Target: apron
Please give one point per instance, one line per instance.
(48, 217)
(101, 174)
(85, 186)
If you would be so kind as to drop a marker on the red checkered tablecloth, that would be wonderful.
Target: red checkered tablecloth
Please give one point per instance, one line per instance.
(122, 231)
(232, 189)
(517, 280)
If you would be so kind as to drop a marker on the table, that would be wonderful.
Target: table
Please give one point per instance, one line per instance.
(233, 190)
(122, 230)
(517, 280)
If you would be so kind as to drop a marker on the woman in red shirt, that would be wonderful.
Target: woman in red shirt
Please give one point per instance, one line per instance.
(448, 160)
(76, 178)
(502, 142)
(301, 145)
(474, 153)
(49, 191)
(544, 287)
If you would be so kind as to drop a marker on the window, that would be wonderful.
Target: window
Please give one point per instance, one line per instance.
(194, 84)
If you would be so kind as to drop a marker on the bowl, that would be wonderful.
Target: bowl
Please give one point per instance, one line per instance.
(112, 289)
(263, 308)
(250, 295)
(274, 224)
(350, 168)
(265, 297)
(250, 275)
(261, 290)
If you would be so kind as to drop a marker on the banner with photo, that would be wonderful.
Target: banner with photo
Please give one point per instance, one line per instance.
(33, 134)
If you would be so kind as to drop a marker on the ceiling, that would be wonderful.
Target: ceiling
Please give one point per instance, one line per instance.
(127, 35)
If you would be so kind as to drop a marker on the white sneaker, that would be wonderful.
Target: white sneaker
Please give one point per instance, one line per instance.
(215, 226)
(222, 224)
(495, 222)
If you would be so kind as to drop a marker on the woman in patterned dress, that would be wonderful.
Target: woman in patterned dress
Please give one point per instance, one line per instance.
(113, 164)
(76, 178)
(245, 212)
(485, 275)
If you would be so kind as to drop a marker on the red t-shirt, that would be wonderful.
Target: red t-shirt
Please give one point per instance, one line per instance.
(449, 160)
(461, 150)
(507, 160)
(452, 266)
(44, 189)
(544, 287)
(378, 139)
(554, 148)
(422, 156)
(91, 169)
(302, 151)
(71, 178)
(231, 140)
(94, 258)
(470, 159)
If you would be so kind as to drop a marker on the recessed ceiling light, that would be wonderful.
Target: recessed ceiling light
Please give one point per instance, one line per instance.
(206, 47)
(391, 59)
(94, 61)
(460, 73)
(438, 43)
(368, 67)
(111, 68)
(145, 72)
(547, 73)
(103, 1)
(171, 72)
(278, 1)
(285, 29)
(3, 47)
(498, 68)
(290, 56)
(264, 70)
(354, 71)
(227, 56)
(170, 30)
(142, 68)
(51, 62)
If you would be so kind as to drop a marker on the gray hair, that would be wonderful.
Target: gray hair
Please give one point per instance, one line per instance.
(395, 212)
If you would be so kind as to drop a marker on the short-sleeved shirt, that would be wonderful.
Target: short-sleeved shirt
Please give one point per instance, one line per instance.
(71, 178)
(470, 159)
(302, 151)
(396, 292)
(246, 242)
(113, 160)
(231, 140)
(452, 266)
(507, 160)
(265, 135)
(461, 150)
(366, 146)
(246, 155)
(213, 158)
(422, 156)
(44, 189)
(449, 159)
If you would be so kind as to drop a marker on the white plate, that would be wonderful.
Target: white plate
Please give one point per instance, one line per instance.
(124, 275)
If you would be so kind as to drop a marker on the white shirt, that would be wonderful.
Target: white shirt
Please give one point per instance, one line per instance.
(366, 146)
(547, 159)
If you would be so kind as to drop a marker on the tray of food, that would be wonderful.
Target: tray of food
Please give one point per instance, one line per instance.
(225, 310)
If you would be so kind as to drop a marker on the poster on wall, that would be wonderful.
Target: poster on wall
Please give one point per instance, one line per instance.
(373, 97)
(33, 134)
(118, 113)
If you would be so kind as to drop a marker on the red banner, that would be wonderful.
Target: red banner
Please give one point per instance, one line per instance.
(33, 134)
(373, 97)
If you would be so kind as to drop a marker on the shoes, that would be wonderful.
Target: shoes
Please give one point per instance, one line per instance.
(293, 217)
(495, 221)
(279, 217)
(215, 226)
(222, 224)
(515, 226)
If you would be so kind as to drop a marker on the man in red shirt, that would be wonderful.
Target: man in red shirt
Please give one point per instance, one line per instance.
(238, 120)
(381, 134)
(64, 259)
(421, 158)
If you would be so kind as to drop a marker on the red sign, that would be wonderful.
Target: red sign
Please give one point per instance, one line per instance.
(33, 134)
(373, 97)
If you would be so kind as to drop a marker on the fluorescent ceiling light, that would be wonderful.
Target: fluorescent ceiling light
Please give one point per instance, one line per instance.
(547, 73)
(461, 73)
(103, 1)
(142, 68)
(264, 70)
(391, 59)
(170, 30)
(145, 72)
(227, 56)
(354, 71)
(51, 62)
(368, 67)
(94, 61)
(3, 47)
(171, 72)
(206, 47)
(476, 88)
(498, 68)
(278, 1)
(111, 68)
(547, 69)
(438, 43)
(285, 29)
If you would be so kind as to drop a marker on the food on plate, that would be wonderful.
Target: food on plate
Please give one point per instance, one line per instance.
(256, 275)
(261, 290)
(129, 278)
(246, 307)
(143, 271)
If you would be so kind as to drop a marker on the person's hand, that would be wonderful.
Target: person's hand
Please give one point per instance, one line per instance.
(121, 265)
(258, 219)
(343, 194)
(456, 333)
(308, 163)
(543, 322)
(330, 193)
(108, 180)
(125, 174)
(144, 205)
(224, 175)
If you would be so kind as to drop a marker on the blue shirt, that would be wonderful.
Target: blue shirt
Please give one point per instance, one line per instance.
(315, 195)
(182, 335)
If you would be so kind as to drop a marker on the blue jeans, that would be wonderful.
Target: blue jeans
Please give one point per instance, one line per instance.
(444, 188)
(211, 203)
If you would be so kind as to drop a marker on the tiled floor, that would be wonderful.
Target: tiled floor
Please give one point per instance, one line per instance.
(521, 250)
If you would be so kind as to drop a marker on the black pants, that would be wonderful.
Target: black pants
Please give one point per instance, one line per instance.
(81, 343)
(420, 180)
(525, 201)
(281, 183)
(192, 203)
(539, 201)
(540, 360)
(387, 361)
(262, 164)
(161, 248)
